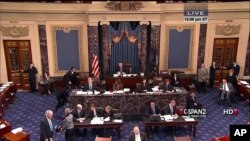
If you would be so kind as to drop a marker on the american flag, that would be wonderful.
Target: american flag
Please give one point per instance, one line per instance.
(95, 66)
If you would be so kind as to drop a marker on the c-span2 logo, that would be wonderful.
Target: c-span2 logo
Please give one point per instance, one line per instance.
(239, 132)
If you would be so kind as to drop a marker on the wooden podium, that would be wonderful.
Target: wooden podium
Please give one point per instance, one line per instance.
(20, 136)
(6, 129)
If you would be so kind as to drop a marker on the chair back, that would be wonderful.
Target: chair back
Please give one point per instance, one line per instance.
(103, 138)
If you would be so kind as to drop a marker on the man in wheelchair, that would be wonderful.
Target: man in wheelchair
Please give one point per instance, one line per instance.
(226, 90)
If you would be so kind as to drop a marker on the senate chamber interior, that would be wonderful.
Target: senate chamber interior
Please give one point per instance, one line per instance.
(157, 70)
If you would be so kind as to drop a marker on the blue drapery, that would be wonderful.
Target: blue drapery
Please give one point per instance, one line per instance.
(125, 48)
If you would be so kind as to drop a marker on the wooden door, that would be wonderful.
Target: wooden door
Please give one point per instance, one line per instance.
(224, 53)
(18, 57)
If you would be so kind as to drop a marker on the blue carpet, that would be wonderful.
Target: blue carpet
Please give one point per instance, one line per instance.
(28, 110)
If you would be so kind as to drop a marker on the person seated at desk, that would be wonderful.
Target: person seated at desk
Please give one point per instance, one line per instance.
(117, 86)
(71, 78)
(152, 109)
(192, 102)
(175, 80)
(170, 108)
(90, 86)
(167, 87)
(79, 112)
(226, 89)
(108, 112)
(144, 86)
(94, 112)
(137, 135)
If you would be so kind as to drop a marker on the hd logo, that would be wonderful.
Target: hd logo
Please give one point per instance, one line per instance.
(239, 132)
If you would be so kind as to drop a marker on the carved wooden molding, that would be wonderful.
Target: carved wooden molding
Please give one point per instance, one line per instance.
(15, 32)
(124, 5)
(227, 30)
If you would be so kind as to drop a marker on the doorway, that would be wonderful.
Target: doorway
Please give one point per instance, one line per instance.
(224, 53)
(18, 58)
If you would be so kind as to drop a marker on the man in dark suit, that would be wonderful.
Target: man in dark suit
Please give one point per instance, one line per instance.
(192, 102)
(108, 112)
(137, 135)
(32, 71)
(167, 87)
(95, 112)
(79, 112)
(71, 78)
(170, 108)
(152, 109)
(46, 127)
(236, 69)
(212, 74)
(226, 90)
(90, 86)
(175, 80)
(144, 86)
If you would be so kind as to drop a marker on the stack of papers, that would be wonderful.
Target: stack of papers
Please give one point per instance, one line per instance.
(97, 92)
(126, 89)
(107, 92)
(155, 89)
(97, 120)
(189, 119)
(119, 92)
(81, 119)
(14, 131)
(117, 120)
(167, 117)
(80, 92)
(244, 82)
(2, 126)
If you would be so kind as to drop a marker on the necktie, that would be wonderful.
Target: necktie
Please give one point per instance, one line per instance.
(153, 110)
(50, 125)
(90, 87)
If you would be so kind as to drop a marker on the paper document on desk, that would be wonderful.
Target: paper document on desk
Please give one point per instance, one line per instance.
(167, 117)
(80, 92)
(126, 89)
(97, 120)
(118, 120)
(243, 82)
(6, 85)
(10, 82)
(2, 126)
(17, 130)
(107, 92)
(97, 92)
(189, 119)
(119, 92)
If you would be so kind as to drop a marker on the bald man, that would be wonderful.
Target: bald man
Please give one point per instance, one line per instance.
(137, 135)
(46, 127)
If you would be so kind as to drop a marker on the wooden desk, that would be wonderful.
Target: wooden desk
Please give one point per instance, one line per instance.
(129, 103)
(6, 129)
(243, 89)
(109, 124)
(20, 136)
(6, 97)
(128, 82)
(176, 122)
(222, 138)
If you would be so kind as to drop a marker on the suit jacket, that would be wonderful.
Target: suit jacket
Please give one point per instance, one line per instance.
(236, 69)
(191, 102)
(167, 111)
(77, 115)
(149, 110)
(99, 112)
(175, 82)
(72, 77)
(202, 74)
(143, 87)
(212, 72)
(229, 85)
(165, 88)
(32, 73)
(110, 114)
(232, 80)
(132, 137)
(45, 131)
(86, 87)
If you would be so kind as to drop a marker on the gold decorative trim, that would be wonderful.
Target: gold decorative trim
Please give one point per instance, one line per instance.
(180, 28)
(227, 30)
(14, 31)
(124, 5)
(66, 29)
